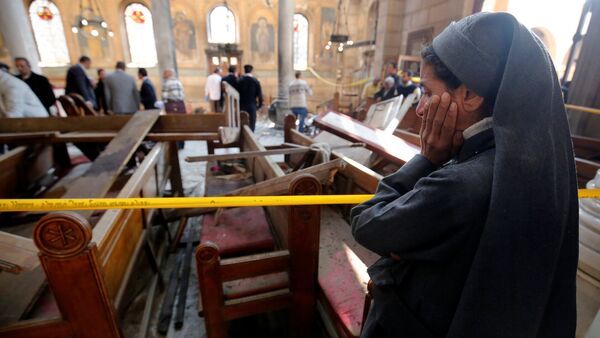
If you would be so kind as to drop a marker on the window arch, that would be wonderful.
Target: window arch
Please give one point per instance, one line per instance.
(49, 33)
(140, 35)
(221, 25)
(300, 42)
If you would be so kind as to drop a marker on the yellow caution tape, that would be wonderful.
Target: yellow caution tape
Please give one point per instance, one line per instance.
(13, 205)
(174, 202)
(322, 79)
(583, 109)
(589, 193)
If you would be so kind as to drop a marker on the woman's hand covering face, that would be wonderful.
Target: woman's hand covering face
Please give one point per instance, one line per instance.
(439, 138)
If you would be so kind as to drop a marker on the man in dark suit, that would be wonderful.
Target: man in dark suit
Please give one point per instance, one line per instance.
(39, 84)
(147, 91)
(251, 97)
(99, 92)
(78, 82)
(231, 78)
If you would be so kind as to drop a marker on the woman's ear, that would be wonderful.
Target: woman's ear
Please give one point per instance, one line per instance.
(471, 101)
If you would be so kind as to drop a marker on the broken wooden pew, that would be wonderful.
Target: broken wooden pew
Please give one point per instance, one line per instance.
(112, 248)
(342, 261)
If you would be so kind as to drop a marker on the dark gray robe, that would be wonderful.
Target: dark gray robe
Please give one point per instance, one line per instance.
(432, 219)
(489, 245)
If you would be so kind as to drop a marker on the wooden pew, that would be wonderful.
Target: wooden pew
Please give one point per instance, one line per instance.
(343, 299)
(82, 106)
(242, 286)
(112, 249)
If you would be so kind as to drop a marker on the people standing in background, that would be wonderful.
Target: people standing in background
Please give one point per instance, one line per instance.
(173, 96)
(392, 70)
(147, 91)
(39, 84)
(212, 90)
(121, 91)
(370, 89)
(299, 89)
(231, 78)
(251, 97)
(78, 82)
(172, 89)
(16, 98)
(99, 91)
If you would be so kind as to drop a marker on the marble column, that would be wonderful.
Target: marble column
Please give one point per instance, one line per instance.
(284, 57)
(163, 35)
(17, 33)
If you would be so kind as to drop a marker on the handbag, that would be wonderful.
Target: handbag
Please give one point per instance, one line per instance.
(175, 107)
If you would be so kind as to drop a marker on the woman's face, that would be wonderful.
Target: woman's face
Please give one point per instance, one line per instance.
(433, 86)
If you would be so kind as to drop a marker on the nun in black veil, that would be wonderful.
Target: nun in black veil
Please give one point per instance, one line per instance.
(478, 235)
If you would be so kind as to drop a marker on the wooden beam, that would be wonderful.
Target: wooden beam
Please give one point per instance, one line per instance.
(18, 252)
(103, 231)
(251, 305)
(98, 179)
(254, 265)
(246, 154)
(166, 309)
(165, 124)
(36, 328)
(31, 137)
(185, 278)
(97, 137)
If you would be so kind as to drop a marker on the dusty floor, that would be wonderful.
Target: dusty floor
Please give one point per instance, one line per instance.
(193, 326)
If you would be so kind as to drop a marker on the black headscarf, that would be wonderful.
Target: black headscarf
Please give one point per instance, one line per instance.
(522, 281)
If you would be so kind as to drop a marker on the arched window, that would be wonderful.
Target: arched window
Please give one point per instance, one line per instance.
(49, 33)
(300, 42)
(221, 25)
(140, 35)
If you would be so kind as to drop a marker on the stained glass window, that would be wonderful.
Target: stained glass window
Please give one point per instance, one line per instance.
(140, 35)
(300, 42)
(49, 33)
(221, 25)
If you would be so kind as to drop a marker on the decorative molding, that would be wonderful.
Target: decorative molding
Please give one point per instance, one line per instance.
(62, 234)
(208, 251)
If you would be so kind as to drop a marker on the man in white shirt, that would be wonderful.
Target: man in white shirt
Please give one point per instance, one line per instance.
(299, 89)
(212, 90)
(17, 99)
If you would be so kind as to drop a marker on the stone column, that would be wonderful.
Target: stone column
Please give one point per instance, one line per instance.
(389, 34)
(17, 33)
(284, 57)
(163, 35)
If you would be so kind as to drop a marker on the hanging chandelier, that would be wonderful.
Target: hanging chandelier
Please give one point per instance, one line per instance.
(90, 22)
(336, 39)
